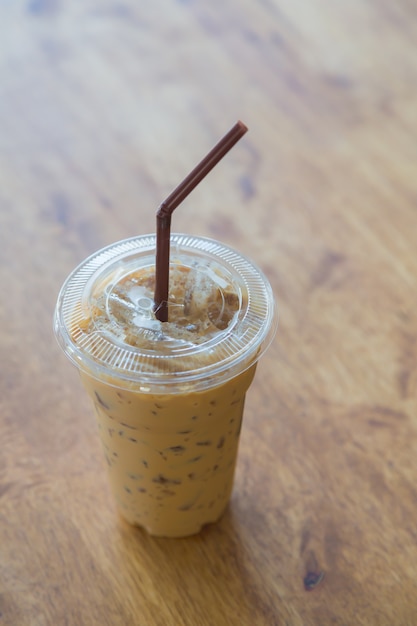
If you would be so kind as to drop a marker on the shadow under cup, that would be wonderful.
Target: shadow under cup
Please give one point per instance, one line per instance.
(169, 396)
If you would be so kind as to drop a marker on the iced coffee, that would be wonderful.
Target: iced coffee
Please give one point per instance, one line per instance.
(169, 396)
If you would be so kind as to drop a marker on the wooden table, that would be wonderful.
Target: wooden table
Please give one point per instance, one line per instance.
(104, 107)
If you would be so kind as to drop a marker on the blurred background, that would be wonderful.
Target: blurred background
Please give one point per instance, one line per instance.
(105, 106)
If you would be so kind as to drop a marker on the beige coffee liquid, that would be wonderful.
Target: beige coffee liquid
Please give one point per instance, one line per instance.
(171, 456)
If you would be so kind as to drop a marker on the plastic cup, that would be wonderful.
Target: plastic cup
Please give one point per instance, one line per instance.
(169, 396)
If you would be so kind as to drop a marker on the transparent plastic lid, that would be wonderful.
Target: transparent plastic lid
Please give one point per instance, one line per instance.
(222, 315)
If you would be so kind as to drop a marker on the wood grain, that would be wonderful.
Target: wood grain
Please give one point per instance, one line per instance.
(104, 107)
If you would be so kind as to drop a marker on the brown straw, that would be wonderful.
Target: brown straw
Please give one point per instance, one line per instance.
(163, 216)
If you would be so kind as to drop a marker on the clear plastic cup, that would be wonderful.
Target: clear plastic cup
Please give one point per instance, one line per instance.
(168, 396)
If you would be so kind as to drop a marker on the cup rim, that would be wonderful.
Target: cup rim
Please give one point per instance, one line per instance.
(238, 347)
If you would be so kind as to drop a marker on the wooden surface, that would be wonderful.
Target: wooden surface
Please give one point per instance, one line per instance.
(104, 107)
